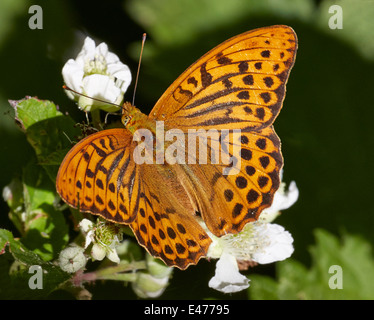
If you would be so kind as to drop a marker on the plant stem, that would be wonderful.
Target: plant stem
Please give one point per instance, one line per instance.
(96, 120)
(117, 272)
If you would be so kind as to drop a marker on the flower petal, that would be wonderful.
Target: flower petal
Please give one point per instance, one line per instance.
(147, 286)
(88, 50)
(112, 58)
(283, 201)
(98, 252)
(73, 73)
(278, 243)
(89, 238)
(112, 255)
(85, 225)
(227, 278)
(102, 50)
(122, 73)
(101, 87)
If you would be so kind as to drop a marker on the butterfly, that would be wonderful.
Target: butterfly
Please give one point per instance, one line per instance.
(236, 89)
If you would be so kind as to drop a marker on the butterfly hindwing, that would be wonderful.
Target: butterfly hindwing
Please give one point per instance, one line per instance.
(239, 191)
(165, 224)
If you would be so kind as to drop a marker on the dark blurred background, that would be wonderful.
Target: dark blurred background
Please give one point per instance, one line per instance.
(325, 124)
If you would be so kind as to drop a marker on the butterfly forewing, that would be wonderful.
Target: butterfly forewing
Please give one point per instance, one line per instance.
(238, 85)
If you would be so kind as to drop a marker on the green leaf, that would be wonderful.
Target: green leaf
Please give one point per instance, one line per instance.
(32, 197)
(355, 258)
(46, 228)
(354, 271)
(263, 288)
(30, 111)
(14, 284)
(42, 226)
(48, 131)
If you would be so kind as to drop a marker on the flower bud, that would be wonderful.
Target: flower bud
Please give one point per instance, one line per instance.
(72, 259)
(148, 286)
(152, 284)
(157, 268)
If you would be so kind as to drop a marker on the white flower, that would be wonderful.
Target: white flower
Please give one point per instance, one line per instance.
(104, 237)
(259, 241)
(99, 74)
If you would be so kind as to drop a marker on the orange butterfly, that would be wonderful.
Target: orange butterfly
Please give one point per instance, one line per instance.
(240, 84)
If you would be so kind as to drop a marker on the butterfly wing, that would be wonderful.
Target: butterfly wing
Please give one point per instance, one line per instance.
(165, 224)
(229, 196)
(240, 84)
(99, 175)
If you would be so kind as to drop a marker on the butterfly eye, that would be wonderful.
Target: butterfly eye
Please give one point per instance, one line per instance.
(125, 120)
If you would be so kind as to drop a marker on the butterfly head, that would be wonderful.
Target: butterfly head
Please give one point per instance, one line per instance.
(132, 117)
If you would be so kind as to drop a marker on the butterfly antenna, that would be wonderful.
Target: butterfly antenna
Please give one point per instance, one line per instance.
(140, 61)
(83, 95)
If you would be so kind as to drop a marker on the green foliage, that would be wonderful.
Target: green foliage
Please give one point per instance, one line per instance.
(295, 281)
(34, 210)
(31, 198)
(47, 130)
(193, 18)
(15, 261)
